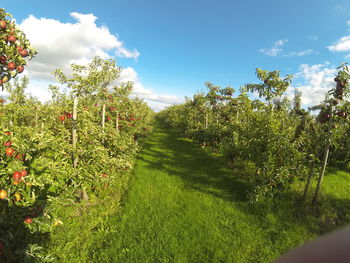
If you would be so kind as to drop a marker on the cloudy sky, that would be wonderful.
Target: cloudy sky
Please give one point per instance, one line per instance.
(170, 48)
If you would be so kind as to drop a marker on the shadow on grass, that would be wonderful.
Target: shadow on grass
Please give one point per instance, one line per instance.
(206, 172)
(200, 169)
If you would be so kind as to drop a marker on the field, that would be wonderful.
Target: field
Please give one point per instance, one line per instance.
(184, 205)
(94, 174)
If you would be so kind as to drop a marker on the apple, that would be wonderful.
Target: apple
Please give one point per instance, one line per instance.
(20, 68)
(17, 196)
(19, 49)
(342, 114)
(24, 172)
(3, 59)
(20, 156)
(9, 151)
(3, 24)
(24, 53)
(62, 117)
(11, 66)
(8, 133)
(3, 194)
(17, 176)
(5, 79)
(11, 38)
(28, 220)
(15, 182)
(326, 116)
(8, 143)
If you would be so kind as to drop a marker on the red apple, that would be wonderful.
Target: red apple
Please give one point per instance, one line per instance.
(11, 66)
(7, 143)
(11, 38)
(24, 53)
(24, 172)
(3, 59)
(19, 156)
(17, 176)
(28, 220)
(20, 69)
(9, 151)
(341, 114)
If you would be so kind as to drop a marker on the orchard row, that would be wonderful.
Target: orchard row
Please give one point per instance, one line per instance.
(279, 140)
(63, 151)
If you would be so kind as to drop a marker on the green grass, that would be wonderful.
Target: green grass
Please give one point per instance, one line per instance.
(184, 205)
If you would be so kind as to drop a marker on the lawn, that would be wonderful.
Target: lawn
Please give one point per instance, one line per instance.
(183, 204)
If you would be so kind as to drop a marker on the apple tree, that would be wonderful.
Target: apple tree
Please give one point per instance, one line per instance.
(14, 48)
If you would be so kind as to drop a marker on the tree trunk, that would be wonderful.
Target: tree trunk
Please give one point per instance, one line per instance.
(117, 122)
(206, 120)
(307, 186)
(103, 116)
(74, 131)
(84, 195)
(36, 119)
(324, 162)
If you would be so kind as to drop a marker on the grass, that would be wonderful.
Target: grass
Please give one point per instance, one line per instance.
(184, 205)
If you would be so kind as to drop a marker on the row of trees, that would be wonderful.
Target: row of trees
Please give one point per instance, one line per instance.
(279, 139)
(68, 149)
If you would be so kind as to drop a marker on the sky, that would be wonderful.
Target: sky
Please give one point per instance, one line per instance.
(169, 48)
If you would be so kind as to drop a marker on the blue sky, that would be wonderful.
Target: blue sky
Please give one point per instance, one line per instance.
(173, 47)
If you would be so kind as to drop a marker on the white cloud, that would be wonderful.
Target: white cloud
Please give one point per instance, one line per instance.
(275, 49)
(299, 53)
(60, 44)
(155, 101)
(343, 44)
(318, 79)
(280, 42)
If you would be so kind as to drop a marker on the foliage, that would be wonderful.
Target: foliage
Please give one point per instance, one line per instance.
(283, 143)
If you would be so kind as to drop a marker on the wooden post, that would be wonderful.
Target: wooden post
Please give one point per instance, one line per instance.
(206, 120)
(307, 186)
(74, 131)
(36, 118)
(103, 116)
(117, 122)
(324, 161)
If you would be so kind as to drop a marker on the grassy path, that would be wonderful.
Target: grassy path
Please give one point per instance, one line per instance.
(183, 205)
